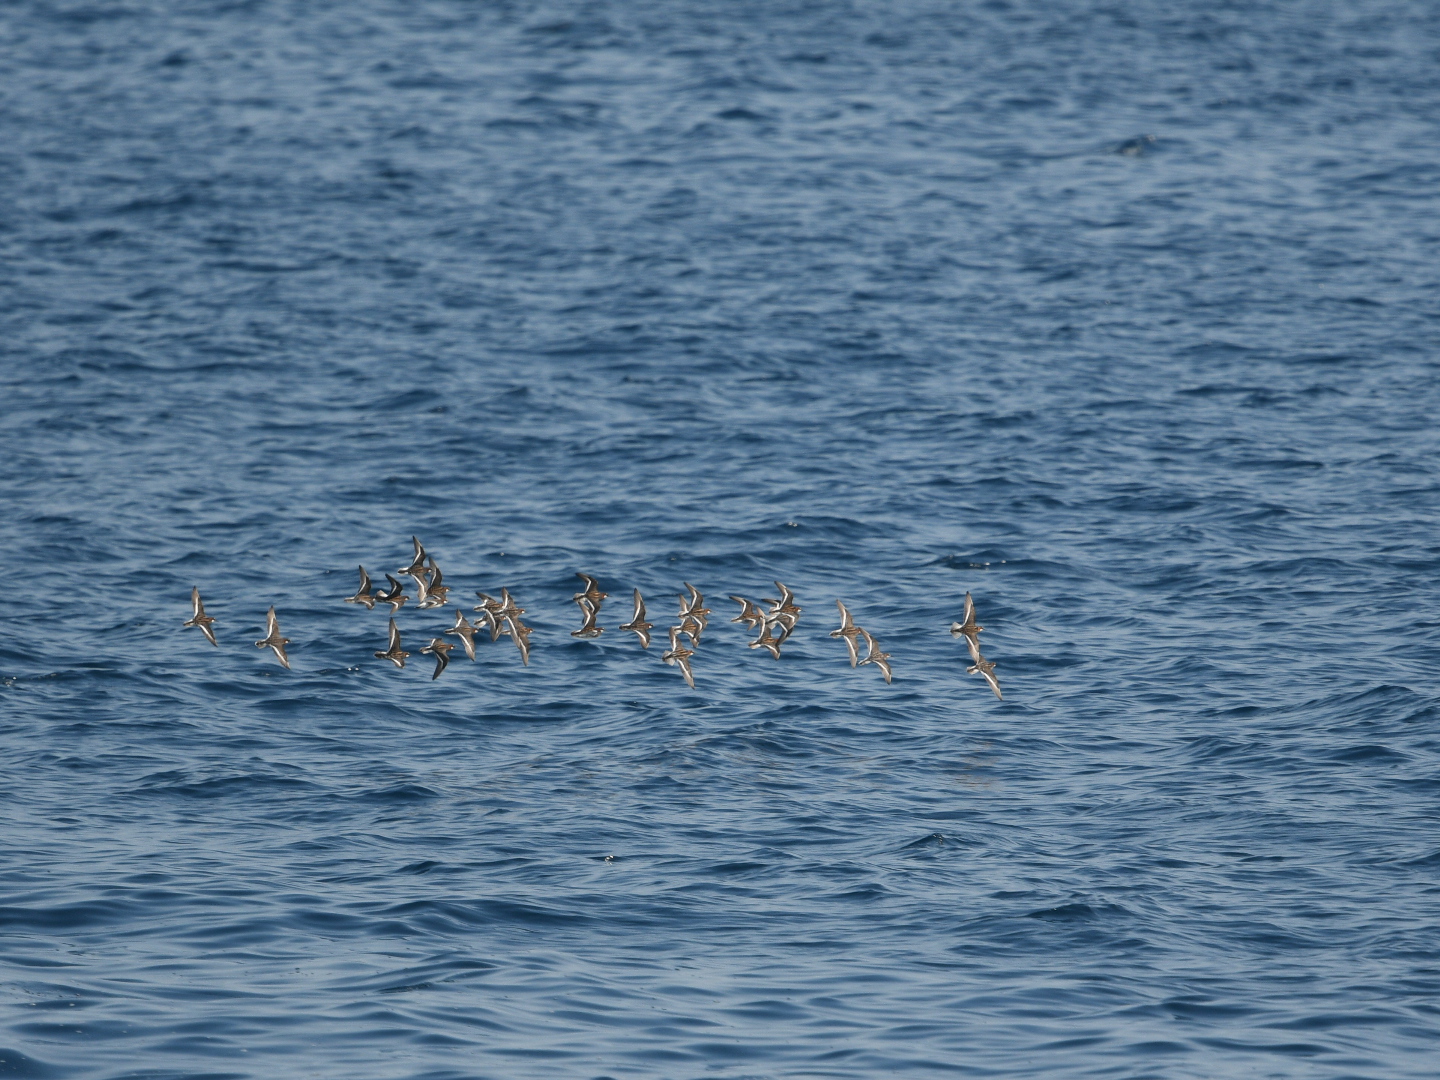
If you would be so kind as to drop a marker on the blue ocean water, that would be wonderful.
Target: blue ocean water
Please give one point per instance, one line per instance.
(1123, 317)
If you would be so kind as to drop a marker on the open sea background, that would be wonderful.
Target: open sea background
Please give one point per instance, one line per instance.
(1124, 317)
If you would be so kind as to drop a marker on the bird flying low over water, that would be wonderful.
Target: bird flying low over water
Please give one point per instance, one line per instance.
(489, 609)
(465, 632)
(507, 617)
(638, 625)
(395, 654)
(589, 602)
(440, 649)
(678, 655)
(272, 638)
(394, 596)
(848, 631)
(364, 595)
(768, 641)
(968, 626)
(417, 564)
(983, 667)
(521, 635)
(880, 659)
(750, 615)
(693, 608)
(783, 612)
(430, 583)
(200, 619)
(588, 629)
(691, 628)
(969, 629)
(508, 607)
(592, 592)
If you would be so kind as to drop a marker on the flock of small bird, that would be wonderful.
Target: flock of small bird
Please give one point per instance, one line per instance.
(772, 625)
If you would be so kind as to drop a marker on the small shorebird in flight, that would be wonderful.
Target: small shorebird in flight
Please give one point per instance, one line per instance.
(432, 591)
(421, 577)
(521, 633)
(880, 659)
(983, 667)
(440, 649)
(750, 615)
(272, 638)
(783, 612)
(588, 629)
(394, 596)
(678, 655)
(691, 627)
(638, 623)
(465, 632)
(489, 609)
(365, 594)
(508, 607)
(395, 654)
(768, 641)
(849, 631)
(693, 607)
(509, 613)
(417, 564)
(200, 619)
(592, 592)
(968, 626)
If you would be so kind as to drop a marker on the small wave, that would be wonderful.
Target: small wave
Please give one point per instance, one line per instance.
(1077, 911)
(23, 1067)
(407, 792)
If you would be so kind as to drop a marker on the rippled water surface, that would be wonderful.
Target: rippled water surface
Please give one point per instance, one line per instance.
(1123, 317)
